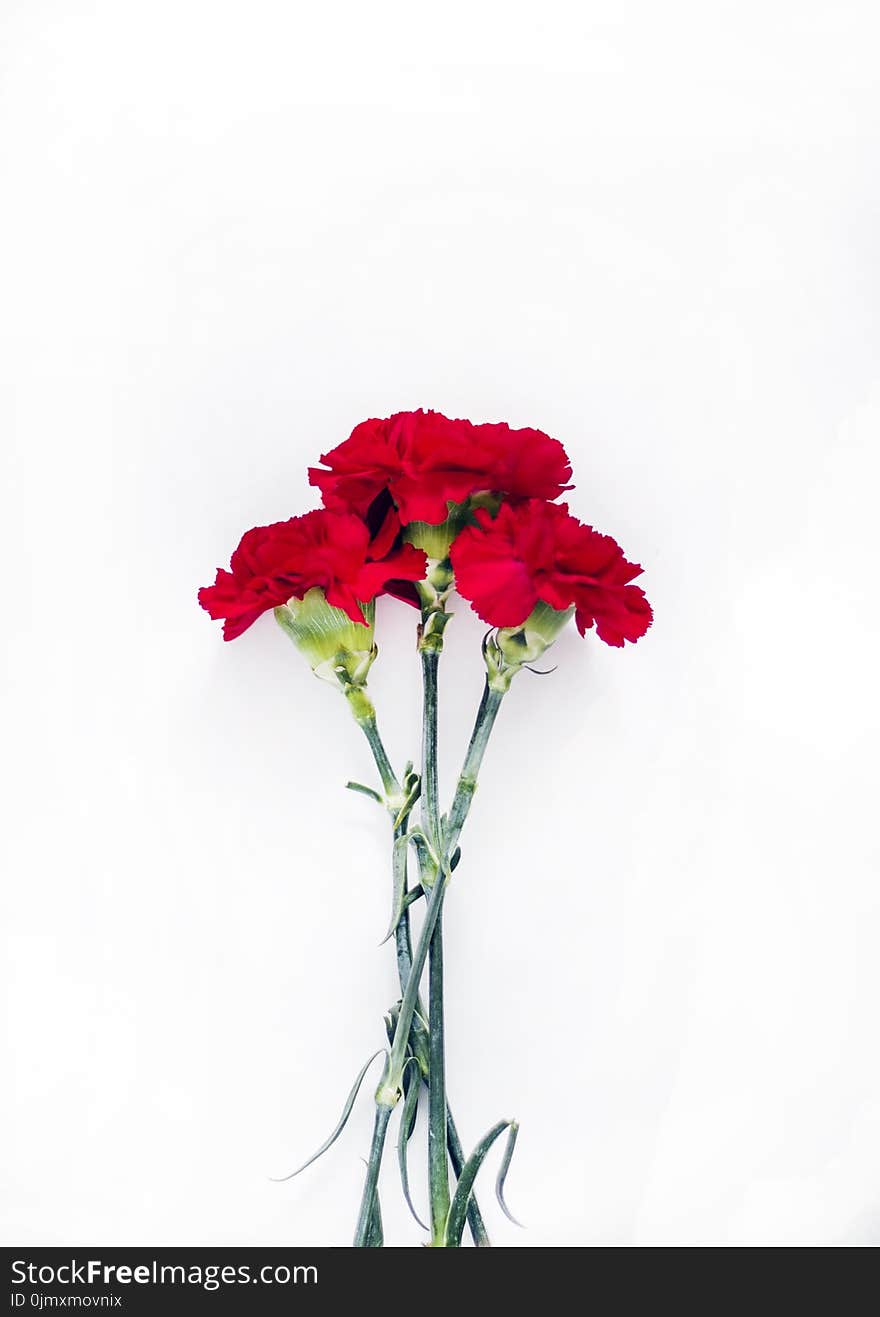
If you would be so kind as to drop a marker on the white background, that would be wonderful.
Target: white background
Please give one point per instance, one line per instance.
(231, 231)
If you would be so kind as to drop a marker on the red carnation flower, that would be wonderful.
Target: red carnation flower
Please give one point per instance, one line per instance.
(333, 550)
(538, 551)
(425, 461)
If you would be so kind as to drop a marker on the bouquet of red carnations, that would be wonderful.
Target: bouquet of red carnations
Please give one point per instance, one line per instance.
(417, 506)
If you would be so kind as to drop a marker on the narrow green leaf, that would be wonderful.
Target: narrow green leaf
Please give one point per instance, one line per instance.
(413, 895)
(413, 791)
(428, 861)
(418, 1042)
(502, 1173)
(458, 1207)
(398, 885)
(391, 1016)
(346, 1112)
(364, 791)
(407, 1125)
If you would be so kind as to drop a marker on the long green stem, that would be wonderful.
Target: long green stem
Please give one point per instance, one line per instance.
(438, 1168)
(391, 1084)
(393, 1077)
(467, 781)
(403, 941)
(430, 789)
(363, 1229)
(479, 1234)
(383, 763)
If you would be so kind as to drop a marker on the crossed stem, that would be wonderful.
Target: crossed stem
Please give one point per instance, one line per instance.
(442, 843)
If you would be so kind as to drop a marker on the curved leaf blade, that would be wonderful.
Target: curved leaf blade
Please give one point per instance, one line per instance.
(413, 791)
(458, 1207)
(343, 1119)
(407, 1125)
(413, 895)
(398, 881)
(364, 791)
(502, 1173)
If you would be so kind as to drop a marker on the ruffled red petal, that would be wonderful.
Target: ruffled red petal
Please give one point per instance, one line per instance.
(537, 550)
(426, 461)
(324, 548)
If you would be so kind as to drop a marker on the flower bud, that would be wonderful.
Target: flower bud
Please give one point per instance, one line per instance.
(337, 649)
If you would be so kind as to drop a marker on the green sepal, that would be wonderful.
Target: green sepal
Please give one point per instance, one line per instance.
(336, 648)
(435, 541)
(526, 643)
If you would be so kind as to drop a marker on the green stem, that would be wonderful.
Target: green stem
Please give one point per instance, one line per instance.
(430, 789)
(438, 1167)
(392, 1080)
(479, 1234)
(391, 1084)
(368, 1200)
(403, 943)
(383, 764)
(467, 781)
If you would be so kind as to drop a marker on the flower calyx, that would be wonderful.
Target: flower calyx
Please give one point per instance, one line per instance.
(336, 648)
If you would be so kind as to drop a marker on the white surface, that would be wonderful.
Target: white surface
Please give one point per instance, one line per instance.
(229, 233)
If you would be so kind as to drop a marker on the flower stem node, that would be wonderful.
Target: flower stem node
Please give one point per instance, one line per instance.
(431, 628)
(388, 1095)
(418, 1036)
(337, 649)
(508, 649)
(526, 643)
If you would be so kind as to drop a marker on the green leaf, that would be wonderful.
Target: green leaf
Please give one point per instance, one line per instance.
(391, 1016)
(428, 861)
(502, 1173)
(346, 1112)
(458, 1207)
(407, 1125)
(365, 791)
(398, 881)
(412, 789)
(418, 1042)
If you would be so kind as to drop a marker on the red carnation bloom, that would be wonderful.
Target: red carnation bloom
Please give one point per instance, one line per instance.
(333, 550)
(537, 550)
(425, 461)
